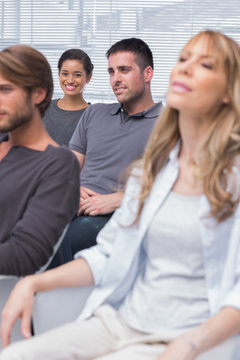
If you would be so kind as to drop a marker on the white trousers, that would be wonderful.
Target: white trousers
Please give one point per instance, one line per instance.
(104, 336)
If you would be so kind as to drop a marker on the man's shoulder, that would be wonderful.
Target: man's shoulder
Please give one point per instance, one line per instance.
(60, 151)
(153, 111)
(107, 106)
(101, 109)
(61, 156)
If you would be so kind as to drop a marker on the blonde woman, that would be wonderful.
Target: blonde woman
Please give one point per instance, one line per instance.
(167, 265)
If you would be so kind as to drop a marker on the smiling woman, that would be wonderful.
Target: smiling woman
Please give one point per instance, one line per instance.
(75, 71)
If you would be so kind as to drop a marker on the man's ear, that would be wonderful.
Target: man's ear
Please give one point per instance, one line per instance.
(148, 73)
(39, 95)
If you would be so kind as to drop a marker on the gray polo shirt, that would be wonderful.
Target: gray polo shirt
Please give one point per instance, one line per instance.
(110, 139)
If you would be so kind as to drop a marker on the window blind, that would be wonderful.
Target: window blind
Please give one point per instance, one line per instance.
(94, 25)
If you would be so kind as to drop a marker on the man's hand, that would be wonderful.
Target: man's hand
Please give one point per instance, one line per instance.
(19, 305)
(179, 350)
(85, 193)
(93, 204)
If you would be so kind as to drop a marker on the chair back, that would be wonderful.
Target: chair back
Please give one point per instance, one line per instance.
(7, 283)
(57, 307)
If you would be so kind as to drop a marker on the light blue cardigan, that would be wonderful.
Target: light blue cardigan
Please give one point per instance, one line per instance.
(116, 260)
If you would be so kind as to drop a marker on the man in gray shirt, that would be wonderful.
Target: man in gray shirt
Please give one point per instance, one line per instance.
(39, 180)
(109, 137)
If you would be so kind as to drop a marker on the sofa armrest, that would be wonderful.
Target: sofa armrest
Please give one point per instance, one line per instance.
(57, 307)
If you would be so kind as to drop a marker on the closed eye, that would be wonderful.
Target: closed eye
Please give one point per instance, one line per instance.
(207, 66)
(182, 59)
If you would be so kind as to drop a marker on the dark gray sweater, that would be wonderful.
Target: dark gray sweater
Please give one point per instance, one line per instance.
(39, 195)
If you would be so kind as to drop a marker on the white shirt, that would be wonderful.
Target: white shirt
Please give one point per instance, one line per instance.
(170, 293)
(118, 257)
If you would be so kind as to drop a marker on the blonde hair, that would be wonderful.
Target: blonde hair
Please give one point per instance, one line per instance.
(220, 145)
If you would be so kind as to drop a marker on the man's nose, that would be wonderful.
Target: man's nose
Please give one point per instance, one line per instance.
(117, 77)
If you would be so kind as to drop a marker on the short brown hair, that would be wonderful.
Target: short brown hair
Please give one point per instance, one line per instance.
(142, 52)
(29, 69)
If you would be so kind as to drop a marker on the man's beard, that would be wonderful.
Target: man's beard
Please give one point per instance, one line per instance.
(20, 117)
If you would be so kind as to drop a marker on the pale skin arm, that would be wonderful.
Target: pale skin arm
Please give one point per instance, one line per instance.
(211, 333)
(21, 300)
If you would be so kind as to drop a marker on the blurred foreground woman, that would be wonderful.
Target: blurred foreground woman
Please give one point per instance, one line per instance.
(167, 265)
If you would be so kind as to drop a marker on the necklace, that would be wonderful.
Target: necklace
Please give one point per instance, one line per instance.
(60, 103)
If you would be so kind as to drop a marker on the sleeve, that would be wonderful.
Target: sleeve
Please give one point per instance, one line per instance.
(232, 278)
(50, 208)
(98, 255)
(78, 141)
(233, 269)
